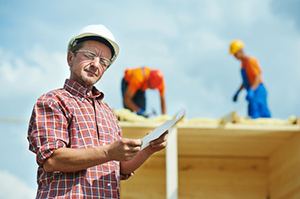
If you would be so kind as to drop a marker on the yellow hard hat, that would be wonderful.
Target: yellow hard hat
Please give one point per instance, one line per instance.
(235, 46)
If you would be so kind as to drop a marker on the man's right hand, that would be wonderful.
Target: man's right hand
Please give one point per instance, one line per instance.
(124, 149)
(235, 97)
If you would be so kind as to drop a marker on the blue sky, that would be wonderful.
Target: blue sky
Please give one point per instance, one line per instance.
(187, 39)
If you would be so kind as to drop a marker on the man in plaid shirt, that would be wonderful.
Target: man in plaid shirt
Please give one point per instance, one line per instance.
(76, 136)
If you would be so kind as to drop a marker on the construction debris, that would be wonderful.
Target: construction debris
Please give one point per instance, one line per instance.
(126, 115)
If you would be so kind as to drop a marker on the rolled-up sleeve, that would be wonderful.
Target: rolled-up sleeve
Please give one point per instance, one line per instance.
(48, 129)
(119, 130)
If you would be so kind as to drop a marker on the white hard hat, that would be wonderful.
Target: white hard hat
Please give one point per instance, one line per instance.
(96, 32)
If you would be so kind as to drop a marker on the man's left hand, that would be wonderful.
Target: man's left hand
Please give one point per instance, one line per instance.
(158, 144)
(142, 112)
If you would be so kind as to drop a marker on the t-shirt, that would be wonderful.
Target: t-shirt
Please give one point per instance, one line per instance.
(137, 79)
(252, 68)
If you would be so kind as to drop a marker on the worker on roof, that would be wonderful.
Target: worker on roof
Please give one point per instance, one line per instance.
(252, 82)
(134, 85)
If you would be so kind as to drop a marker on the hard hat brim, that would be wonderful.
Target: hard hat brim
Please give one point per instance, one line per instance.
(87, 35)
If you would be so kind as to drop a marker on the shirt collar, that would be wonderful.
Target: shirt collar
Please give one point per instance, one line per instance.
(76, 89)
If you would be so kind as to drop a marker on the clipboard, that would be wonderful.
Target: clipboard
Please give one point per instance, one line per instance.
(157, 132)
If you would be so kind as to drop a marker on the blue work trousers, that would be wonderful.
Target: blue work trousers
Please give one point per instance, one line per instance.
(258, 106)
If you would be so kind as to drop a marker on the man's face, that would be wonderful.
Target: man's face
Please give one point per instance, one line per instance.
(85, 70)
(239, 54)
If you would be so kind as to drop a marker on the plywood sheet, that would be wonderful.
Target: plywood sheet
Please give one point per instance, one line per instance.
(215, 140)
(149, 181)
(285, 170)
(230, 142)
(222, 178)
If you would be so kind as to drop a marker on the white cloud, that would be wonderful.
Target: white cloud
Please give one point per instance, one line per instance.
(11, 187)
(205, 42)
(34, 72)
(142, 20)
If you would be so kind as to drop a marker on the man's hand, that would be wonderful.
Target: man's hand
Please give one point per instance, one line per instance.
(158, 144)
(142, 112)
(235, 97)
(124, 149)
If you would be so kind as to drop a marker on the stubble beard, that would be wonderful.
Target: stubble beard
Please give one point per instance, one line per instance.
(89, 83)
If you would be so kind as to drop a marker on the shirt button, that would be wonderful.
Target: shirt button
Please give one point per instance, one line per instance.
(108, 184)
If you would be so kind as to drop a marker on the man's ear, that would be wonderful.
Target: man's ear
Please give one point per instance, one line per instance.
(70, 58)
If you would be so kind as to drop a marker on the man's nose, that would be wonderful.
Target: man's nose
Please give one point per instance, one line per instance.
(96, 61)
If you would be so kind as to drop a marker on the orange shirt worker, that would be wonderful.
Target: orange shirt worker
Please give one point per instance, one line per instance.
(134, 85)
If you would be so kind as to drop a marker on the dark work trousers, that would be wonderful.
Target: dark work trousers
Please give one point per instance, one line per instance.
(139, 97)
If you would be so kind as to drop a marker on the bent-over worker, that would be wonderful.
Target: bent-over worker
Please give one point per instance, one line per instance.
(134, 85)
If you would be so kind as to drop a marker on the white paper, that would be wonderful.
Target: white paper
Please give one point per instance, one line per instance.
(157, 132)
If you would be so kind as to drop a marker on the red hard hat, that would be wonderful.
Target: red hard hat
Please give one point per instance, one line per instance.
(155, 78)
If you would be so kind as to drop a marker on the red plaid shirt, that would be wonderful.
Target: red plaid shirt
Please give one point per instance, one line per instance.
(74, 117)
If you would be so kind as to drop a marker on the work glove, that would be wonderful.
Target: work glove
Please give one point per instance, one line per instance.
(235, 97)
(142, 112)
(250, 94)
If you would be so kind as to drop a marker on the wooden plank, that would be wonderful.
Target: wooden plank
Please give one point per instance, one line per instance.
(136, 132)
(298, 121)
(285, 171)
(229, 142)
(233, 140)
(148, 181)
(172, 165)
(226, 178)
(146, 127)
(14, 120)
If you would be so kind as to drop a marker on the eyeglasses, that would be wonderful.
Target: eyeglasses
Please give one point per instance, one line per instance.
(91, 56)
